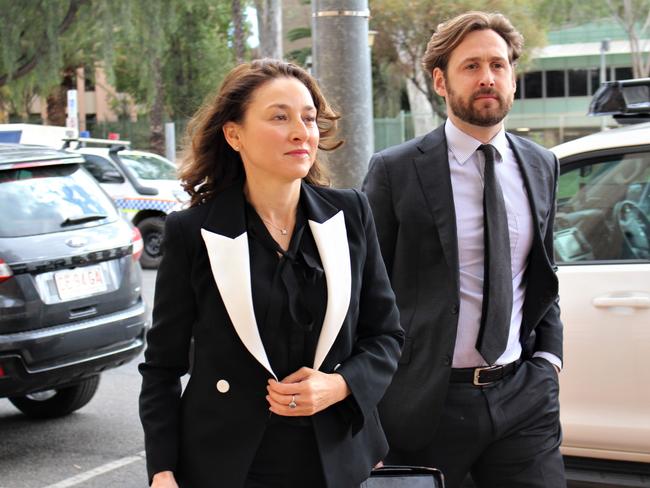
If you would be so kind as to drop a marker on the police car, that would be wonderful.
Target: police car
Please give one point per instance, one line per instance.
(143, 185)
(602, 248)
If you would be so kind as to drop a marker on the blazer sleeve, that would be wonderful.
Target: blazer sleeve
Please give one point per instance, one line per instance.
(549, 330)
(379, 337)
(167, 353)
(377, 187)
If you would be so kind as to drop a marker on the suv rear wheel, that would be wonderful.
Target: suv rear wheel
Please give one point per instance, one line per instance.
(152, 235)
(58, 402)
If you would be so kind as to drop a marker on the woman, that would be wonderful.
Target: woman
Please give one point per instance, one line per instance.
(280, 283)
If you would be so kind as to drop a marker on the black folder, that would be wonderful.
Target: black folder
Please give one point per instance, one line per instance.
(404, 477)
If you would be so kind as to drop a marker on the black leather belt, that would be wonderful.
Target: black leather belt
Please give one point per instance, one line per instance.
(482, 376)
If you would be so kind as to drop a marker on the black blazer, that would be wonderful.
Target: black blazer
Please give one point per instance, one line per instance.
(209, 434)
(409, 189)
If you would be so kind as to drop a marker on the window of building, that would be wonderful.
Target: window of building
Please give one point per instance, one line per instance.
(518, 92)
(623, 73)
(578, 82)
(533, 85)
(594, 80)
(555, 84)
(89, 79)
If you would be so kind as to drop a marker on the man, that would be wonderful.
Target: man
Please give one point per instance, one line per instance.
(465, 222)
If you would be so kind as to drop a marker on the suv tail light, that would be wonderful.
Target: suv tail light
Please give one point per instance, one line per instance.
(5, 271)
(138, 244)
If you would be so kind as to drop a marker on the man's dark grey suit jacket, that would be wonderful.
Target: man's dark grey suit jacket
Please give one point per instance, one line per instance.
(410, 193)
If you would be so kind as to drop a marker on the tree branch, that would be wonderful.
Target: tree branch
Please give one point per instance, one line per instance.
(30, 64)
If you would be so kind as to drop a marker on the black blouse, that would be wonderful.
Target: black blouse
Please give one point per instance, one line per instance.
(289, 293)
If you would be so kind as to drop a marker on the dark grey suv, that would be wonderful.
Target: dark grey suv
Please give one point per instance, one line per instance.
(70, 283)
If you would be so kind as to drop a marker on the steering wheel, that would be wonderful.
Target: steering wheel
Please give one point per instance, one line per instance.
(634, 226)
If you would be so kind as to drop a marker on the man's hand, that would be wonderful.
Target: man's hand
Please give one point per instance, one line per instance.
(164, 479)
(310, 389)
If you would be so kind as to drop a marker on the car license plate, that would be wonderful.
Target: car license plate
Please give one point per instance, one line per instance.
(79, 282)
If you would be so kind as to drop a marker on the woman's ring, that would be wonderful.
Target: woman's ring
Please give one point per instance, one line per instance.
(292, 403)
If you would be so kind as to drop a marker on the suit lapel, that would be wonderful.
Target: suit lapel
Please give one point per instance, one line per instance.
(531, 170)
(539, 265)
(432, 167)
(226, 240)
(530, 165)
(327, 225)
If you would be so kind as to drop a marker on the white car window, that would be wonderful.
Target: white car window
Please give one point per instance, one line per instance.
(603, 210)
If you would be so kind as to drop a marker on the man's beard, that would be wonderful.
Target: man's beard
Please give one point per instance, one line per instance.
(466, 111)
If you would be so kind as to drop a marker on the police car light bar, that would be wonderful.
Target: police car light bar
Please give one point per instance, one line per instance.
(85, 141)
(628, 101)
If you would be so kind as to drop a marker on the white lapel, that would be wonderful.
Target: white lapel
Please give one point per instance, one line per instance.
(229, 260)
(332, 242)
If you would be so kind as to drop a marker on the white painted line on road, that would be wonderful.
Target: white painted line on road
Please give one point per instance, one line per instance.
(80, 478)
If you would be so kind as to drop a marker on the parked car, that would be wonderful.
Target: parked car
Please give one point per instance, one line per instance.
(602, 246)
(143, 185)
(70, 282)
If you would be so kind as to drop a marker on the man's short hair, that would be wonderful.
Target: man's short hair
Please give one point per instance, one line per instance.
(450, 34)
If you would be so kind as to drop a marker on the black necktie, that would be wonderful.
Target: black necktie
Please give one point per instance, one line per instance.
(497, 279)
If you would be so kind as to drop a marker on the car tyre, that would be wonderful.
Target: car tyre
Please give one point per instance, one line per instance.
(63, 401)
(152, 237)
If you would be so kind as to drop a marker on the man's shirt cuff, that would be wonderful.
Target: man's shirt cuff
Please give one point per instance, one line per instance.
(551, 358)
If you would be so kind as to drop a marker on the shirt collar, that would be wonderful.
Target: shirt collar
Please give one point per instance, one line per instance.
(463, 146)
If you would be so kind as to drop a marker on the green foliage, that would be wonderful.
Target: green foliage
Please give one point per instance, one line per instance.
(388, 89)
(39, 39)
(299, 56)
(405, 26)
(192, 41)
(556, 13)
(178, 47)
(299, 33)
(198, 57)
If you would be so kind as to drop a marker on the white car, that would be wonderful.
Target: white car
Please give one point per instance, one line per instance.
(144, 187)
(602, 248)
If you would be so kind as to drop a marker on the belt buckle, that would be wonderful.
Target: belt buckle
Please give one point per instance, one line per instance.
(477, 372)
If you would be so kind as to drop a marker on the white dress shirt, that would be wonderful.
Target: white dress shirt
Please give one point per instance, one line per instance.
(466, 166)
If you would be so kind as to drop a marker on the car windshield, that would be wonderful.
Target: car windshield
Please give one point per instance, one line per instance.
(149, 166)
(41, 200)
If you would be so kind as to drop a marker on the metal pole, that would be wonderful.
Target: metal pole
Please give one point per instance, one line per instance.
(170, 142)
(604, 47)
(341, 64)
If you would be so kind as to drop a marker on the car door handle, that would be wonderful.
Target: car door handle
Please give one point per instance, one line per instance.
(637, 300)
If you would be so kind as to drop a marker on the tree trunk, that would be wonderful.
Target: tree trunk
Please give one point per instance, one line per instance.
(156, 116)
(421, 107)
(57, 101)
(627, 15)
(269, 21)
(238, 23)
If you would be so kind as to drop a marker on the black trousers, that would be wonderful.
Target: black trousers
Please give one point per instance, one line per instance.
(288, 457)
(507, 435)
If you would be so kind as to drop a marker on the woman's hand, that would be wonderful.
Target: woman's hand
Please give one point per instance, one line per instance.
(164, 479)
(310, 390)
